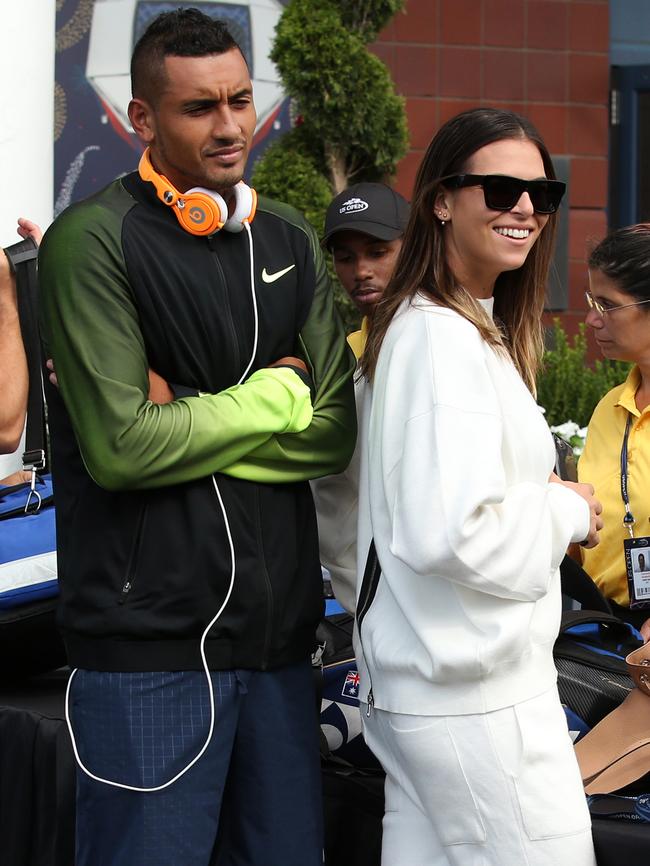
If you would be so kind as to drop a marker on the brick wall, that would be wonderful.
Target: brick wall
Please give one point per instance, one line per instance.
(547, 59)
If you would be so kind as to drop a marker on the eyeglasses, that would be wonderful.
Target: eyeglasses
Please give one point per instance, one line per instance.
(593, 304)
(502, 192)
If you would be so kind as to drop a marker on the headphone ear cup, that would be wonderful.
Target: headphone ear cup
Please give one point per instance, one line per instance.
(245, 206)
(204, 213)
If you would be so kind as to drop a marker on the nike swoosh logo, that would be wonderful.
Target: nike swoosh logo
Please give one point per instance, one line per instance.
(271, 278)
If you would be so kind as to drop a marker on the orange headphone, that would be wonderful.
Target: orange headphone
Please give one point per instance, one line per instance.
(201, 211)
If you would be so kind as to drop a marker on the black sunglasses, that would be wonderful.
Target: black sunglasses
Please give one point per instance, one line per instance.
(502, 192)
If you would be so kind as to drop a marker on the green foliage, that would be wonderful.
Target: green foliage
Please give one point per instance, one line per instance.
(351, 126)
(367, 18)
(345, 94)
(289, 172)
(567, 387)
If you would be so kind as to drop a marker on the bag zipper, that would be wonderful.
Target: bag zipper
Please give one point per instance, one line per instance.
(20, 511)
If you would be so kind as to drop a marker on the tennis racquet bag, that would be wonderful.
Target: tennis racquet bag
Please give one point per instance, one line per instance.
(29, 641)
(590, 655)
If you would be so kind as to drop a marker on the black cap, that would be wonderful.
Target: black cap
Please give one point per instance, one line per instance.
(371, 208)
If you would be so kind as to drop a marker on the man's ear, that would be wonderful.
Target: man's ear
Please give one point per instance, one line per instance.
(142, 120)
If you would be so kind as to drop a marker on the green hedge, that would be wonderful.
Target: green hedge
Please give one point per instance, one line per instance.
(568, 387)
(350, 124)
(289, 173)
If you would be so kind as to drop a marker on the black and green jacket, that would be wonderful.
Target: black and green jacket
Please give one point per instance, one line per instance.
(143, 549)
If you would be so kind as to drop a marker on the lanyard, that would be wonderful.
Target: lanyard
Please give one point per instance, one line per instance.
(628, 519)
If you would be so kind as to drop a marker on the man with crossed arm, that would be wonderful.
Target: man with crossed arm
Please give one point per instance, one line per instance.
(187, 532)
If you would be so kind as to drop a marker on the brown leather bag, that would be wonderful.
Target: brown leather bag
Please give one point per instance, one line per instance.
(616, 752)
(638, 665)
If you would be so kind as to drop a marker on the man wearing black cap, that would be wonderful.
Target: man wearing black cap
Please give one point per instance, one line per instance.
(363, 230)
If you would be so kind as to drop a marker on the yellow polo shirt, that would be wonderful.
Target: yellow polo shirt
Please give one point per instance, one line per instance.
(357, 339)
(600, 465)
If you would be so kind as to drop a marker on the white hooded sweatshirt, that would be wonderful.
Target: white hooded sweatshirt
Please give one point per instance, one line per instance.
(454, 488)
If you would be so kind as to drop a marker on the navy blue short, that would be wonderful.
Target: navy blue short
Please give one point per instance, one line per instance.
(253, 798)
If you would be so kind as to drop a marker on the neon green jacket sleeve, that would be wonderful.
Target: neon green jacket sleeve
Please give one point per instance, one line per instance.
(91, 330)
(327, 444)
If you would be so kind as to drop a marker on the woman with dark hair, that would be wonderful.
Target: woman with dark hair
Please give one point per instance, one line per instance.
(458, 613)
(618, 447)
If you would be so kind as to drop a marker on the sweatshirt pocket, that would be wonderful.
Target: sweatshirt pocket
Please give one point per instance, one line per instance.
(547, 780)
(435, 773)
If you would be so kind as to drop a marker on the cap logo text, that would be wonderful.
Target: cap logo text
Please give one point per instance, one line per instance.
(352, 205)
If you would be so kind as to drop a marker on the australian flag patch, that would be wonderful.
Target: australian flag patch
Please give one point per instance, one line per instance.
(351, 685)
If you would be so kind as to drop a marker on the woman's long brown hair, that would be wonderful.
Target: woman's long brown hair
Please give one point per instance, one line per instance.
(422, 264)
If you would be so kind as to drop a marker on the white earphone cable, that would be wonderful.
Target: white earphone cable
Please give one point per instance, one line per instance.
(212, 622)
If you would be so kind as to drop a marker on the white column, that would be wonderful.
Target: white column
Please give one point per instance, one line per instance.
(26, 113)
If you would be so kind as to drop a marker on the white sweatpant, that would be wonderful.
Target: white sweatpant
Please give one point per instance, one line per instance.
(495, 789)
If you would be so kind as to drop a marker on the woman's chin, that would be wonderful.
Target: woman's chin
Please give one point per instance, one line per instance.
(608, 350)
(514, 261)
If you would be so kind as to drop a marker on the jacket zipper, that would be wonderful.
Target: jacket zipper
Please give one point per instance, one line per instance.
(133, 558)
(369, 584)
(227, 309)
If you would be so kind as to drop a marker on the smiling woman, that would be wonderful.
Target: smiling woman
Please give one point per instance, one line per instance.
(464, 520)
(616, 459)
(482, 232)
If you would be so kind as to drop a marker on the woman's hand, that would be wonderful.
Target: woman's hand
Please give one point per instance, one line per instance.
(52, 374)
(595, 508)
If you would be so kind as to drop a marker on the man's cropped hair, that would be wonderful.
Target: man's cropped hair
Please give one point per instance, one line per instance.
(181, 33)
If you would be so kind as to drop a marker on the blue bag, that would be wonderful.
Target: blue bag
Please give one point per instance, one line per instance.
(29, 639)
(30, 642)
(28, 569)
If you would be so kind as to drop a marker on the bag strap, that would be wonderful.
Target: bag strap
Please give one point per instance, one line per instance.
(578, 585)
(22, 258)
(565, 461)
(571, 618)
